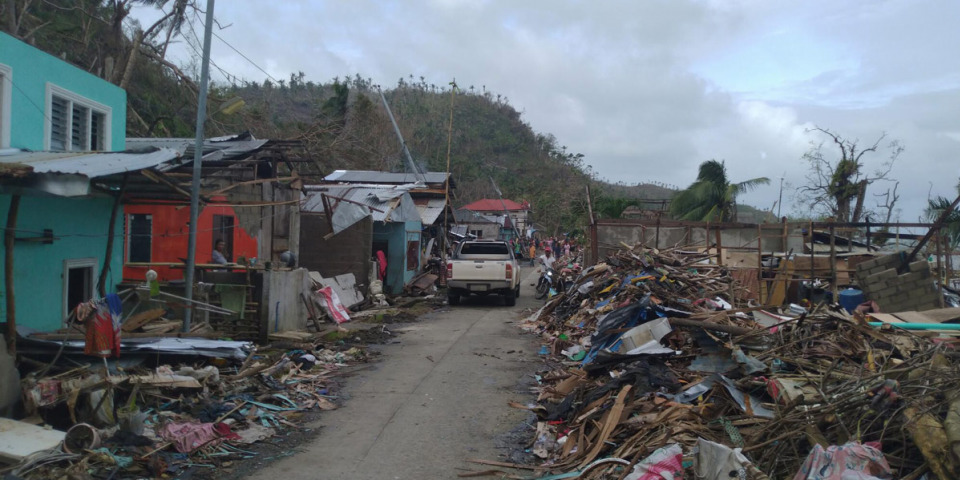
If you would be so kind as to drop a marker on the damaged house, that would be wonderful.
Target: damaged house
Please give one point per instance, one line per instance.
(249, 196)
(61, 165)
(369, 231)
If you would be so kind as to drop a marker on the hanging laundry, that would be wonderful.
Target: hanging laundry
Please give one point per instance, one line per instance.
(102, 318)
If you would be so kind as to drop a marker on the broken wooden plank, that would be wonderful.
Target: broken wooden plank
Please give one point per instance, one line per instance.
(138, 320)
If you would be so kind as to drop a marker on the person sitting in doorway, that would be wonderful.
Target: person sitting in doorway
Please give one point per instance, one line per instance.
(218, 256)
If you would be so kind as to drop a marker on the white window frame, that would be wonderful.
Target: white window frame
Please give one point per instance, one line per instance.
(78, 263)
(6, 87)
(90, 105)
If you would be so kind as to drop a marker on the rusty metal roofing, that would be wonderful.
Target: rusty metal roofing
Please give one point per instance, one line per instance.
(89, 164)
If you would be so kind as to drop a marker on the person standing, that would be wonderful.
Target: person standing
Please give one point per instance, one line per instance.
(533, 253)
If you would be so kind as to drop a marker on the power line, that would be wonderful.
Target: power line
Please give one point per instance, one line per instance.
(127, 234)
(38, 107)
(226, 74)
(245, 57)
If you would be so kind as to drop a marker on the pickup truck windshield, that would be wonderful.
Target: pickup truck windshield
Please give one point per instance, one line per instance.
(484, 249)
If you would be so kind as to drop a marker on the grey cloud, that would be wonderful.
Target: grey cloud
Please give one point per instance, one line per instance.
(621, 82)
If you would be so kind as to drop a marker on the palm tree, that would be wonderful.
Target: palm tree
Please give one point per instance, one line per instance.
(951, 225)
(712, 197)
(613, 207)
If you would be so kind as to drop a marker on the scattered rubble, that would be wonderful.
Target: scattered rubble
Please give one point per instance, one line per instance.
(655, 371)
(152, 421)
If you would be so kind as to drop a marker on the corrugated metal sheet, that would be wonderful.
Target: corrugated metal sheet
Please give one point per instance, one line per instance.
(229, 147)
(362, 195)
(367, 176)
(467, 216)
(89, 164)
(430, 209)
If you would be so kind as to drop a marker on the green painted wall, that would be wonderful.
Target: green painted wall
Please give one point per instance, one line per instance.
(395, 234)
(80, 226)
(31, 70)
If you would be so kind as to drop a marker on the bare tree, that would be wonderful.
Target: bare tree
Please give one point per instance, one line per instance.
(890, 198)
(837, 184)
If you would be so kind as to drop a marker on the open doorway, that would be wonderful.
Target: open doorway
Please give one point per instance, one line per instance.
(79, 279)
(379, 246)
(223, 230)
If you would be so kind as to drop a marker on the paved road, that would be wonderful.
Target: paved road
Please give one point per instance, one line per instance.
(436, 399)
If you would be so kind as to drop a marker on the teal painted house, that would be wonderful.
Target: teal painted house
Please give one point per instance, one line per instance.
(58, 124)
(397, 228)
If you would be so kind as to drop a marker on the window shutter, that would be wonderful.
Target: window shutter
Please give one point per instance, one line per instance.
(78, 130)
(98, 131)
(58, 123)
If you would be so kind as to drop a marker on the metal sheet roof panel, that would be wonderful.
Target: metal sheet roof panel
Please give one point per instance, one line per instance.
(380, 210)
(368, 176)
(430, 209)
(228, 147)
(89, 164)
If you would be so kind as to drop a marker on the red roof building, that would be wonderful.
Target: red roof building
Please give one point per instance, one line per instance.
(518, 213)
(494, 205)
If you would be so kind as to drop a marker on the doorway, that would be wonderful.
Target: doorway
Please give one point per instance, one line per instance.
(79, 280)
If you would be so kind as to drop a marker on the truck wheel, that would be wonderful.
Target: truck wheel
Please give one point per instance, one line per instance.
(453, 299)
(510, 298)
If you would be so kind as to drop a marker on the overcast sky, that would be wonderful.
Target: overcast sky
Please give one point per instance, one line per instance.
(647, 90)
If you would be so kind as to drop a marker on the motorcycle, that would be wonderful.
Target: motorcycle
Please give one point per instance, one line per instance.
(547, 280)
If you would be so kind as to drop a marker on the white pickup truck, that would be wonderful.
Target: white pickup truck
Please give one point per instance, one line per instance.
(483, 267)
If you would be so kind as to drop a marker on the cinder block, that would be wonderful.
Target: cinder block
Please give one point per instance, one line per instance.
(867, 265)
(887, 274)
(920, 266)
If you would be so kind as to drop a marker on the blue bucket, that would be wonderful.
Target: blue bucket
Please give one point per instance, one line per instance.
(850, 298)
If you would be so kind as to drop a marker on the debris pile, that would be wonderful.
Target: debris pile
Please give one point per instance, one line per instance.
(130, 420)
(654, 368)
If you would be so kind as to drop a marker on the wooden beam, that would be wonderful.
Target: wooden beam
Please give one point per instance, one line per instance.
(102, 281)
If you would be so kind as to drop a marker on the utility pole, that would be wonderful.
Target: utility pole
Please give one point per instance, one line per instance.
(197, 160)
(506, 213)
(406, 152)
(780, 201)
(446, 188)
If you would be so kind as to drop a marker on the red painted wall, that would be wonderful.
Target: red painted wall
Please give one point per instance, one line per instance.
(170, 235)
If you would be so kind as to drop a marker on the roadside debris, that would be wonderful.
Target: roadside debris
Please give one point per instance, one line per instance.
(139, 417)
(655, 371)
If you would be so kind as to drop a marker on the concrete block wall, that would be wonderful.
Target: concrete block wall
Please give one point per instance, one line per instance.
(898, 292)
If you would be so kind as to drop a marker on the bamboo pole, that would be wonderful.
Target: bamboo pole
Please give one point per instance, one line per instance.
(939, 270)
(760, 284)
(719, 247)
(111, 230)
(833, 264)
